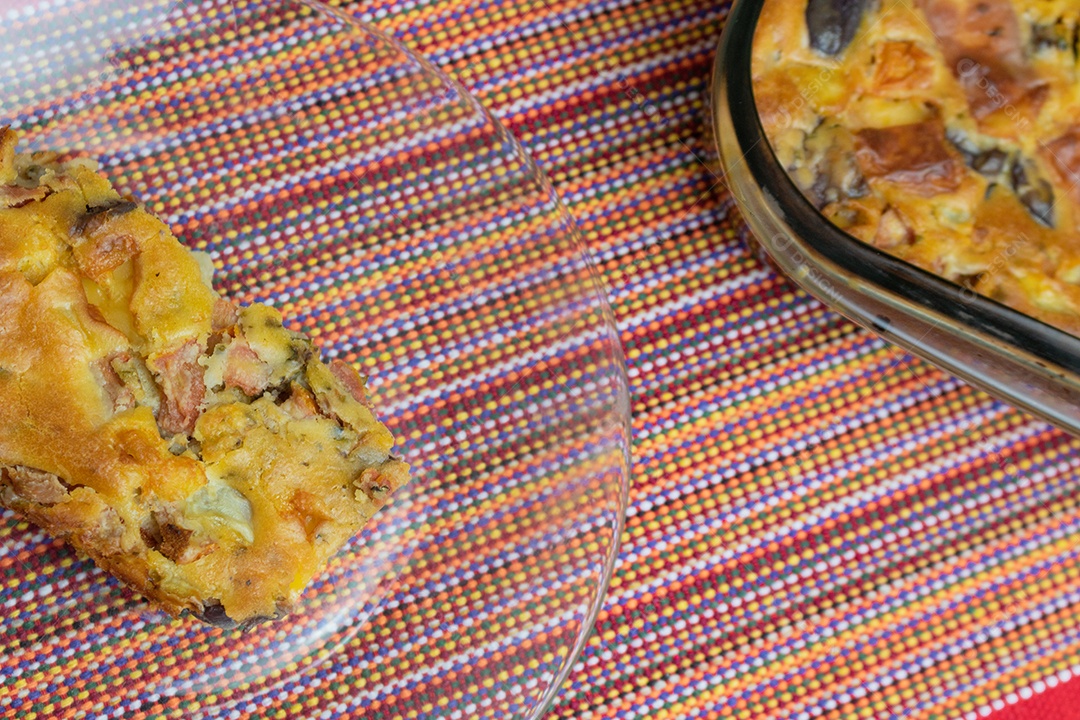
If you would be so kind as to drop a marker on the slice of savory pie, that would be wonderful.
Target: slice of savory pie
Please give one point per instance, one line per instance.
(198, 451)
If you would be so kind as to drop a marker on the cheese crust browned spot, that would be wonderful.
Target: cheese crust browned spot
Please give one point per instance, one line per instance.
(916, 156)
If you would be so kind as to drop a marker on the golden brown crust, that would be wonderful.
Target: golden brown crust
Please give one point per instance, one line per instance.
(961, 117)
(915, 156)
(200, 452)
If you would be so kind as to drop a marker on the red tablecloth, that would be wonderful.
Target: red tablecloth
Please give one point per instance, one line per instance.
(1041, 702)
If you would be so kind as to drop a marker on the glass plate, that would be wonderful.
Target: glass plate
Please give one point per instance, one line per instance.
(334, 174)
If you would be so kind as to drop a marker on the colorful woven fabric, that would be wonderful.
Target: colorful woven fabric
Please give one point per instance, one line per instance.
(820, 525)
(327, 170)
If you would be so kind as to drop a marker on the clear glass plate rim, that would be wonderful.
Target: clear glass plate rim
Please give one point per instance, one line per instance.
(617, 402)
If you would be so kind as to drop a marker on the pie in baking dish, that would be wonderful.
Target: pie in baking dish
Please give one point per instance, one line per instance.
(944, 132)
(198, 451)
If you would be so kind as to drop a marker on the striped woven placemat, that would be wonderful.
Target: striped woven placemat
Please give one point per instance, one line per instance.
(820, 525)
(330, 172)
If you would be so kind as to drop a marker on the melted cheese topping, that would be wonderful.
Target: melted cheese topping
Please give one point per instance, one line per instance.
(201, 452)
(944, 132)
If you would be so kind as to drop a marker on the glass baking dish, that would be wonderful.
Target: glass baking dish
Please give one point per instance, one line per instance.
(1010, 355)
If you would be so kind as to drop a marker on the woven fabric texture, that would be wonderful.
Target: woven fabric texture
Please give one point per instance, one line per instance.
(820, 525)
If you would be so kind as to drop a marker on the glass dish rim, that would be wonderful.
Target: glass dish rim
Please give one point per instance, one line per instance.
(599, 287)
(956, 308)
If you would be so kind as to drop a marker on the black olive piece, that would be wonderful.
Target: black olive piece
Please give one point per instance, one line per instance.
(819, 190)
(1036, 195)
(985, 162)
(989, 162)
(965, 147)
(259, 620)
(858, 188)
(832, 24)
(214, 614)
(1054, 36)
(98, 214)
